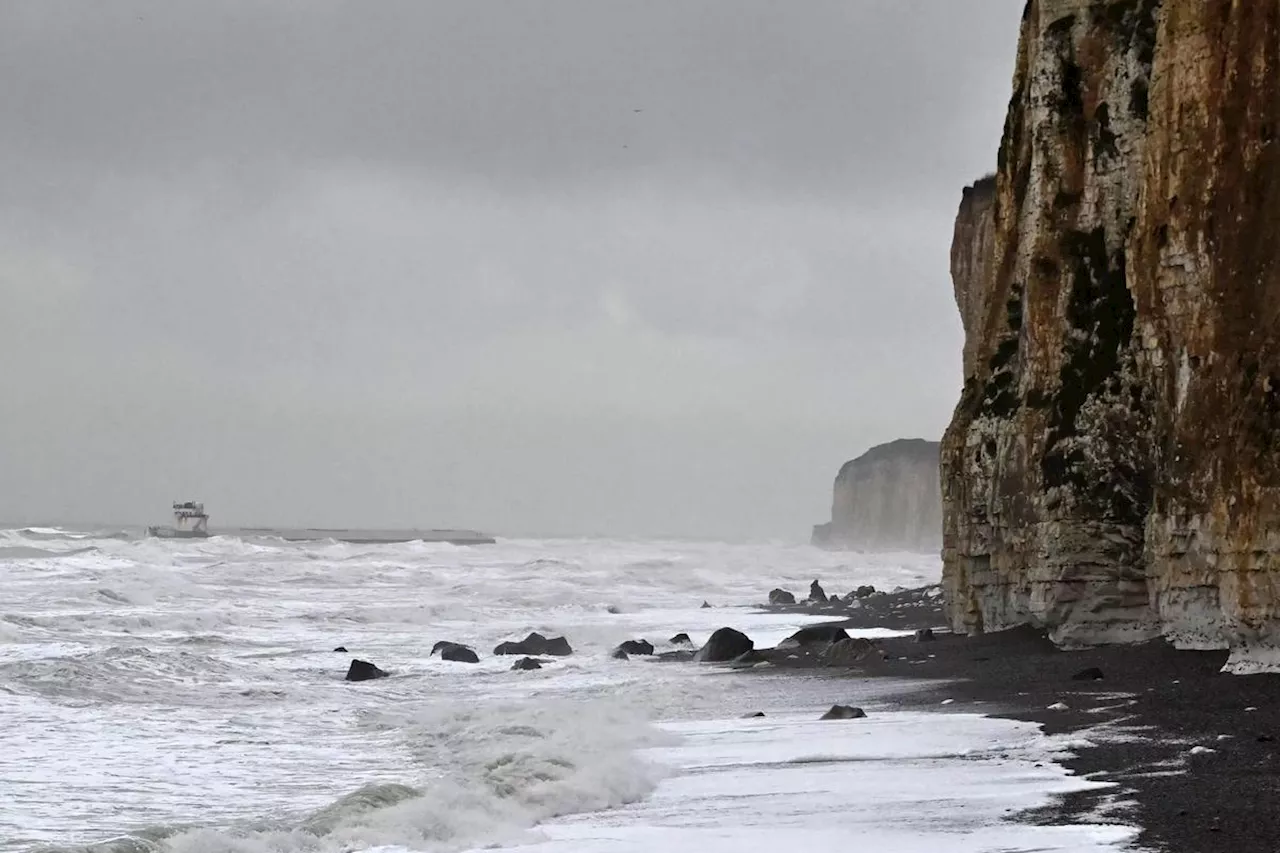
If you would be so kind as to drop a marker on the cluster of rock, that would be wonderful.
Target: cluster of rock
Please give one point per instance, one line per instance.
(783, 598)
(530, 647)
(814, 645)
(532, 650)
(1110, 472)
(825, 645)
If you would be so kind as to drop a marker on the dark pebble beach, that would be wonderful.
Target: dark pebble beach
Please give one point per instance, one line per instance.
(1164, 702)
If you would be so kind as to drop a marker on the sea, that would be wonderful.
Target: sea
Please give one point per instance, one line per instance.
(186, 696)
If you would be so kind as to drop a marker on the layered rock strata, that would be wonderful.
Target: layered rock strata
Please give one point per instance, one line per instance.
(888, 499)
(1111, 470)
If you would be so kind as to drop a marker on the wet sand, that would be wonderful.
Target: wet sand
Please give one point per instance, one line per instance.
(1165, 702)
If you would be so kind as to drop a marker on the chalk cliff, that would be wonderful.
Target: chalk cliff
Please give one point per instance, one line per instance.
(888, 499)
(1111, 470)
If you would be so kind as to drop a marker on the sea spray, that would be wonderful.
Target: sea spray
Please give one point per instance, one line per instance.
(484, 775)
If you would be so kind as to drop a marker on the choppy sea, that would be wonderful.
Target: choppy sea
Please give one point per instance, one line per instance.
(160, 695)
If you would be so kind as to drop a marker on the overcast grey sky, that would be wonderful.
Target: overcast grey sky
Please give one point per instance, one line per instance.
(578, 266)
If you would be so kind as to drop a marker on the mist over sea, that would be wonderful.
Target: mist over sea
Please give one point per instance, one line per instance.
(186, 696)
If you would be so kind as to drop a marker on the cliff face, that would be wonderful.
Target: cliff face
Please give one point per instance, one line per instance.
(972, 250)
(888, 499)
(1110, 470)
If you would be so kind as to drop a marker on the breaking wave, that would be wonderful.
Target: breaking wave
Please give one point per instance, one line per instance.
(486, 775)
(124, 658)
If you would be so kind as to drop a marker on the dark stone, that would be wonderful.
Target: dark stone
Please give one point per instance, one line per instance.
(459, 653)
(677, 655)
(558, 647)
(362, 670)
(925, 635)
(636, 647)
(535, 644)
(781, 596)
(705, 606)
(847, 652)
(843, 712)
(527, 663)
(1090, 674)
(818, 634)
(619, 654)
(753, 715)
(816, 593)
(340, 649)
(725, 645)
(450, 650)
(746, 660)
(611, 609)
(681, 639)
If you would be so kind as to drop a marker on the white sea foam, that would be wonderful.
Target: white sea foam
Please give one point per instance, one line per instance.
(897, 783)
(185, 695)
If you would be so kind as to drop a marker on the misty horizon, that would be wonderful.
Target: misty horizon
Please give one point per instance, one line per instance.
(591, 269)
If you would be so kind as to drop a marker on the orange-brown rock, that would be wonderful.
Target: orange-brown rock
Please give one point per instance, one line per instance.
(1111, 470)
(972, 250)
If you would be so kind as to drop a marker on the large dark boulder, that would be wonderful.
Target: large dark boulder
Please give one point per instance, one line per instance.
(450, 650)
(844, 712)
(362, 670)
(816, 634)
(341, 649)
(527, 663)
(681, 639)
(725, 645)
(864, 591)
(558, 647)
(847, 652)
(535, 644)
(815, 592)
(637, 647)
(780, 597)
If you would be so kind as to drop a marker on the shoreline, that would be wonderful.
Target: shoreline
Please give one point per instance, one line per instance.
(1152, 706)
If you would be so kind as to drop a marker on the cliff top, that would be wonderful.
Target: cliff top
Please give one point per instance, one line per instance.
(984, 186)
(902, 448)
